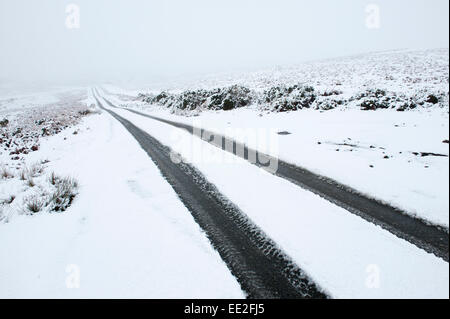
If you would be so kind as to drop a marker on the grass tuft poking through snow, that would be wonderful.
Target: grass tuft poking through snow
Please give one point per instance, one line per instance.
(34, 204)
(64, 194)
(31, 191)
(56, 197)
(35, 170)
(5, 173)
(23, 174)
(53, 179)
(30, 181)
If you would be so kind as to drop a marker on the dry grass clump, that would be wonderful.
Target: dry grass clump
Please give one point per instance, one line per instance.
(66, 188)
(5, 173)
(34, 204)
(30, 182)
(28, 173)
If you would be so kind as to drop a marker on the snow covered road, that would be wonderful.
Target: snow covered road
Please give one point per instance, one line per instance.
(262, 269)
(342, 253)
(429, 237)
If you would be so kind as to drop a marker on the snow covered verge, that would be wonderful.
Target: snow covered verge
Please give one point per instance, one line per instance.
(363, 141)
(29, 188)
(125, 234)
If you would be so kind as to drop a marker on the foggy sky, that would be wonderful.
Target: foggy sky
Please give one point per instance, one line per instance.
(146, 40)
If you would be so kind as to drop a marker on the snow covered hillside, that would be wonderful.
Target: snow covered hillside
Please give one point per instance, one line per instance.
(402, 80)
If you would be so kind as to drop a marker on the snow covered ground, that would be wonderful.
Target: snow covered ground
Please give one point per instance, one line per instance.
(126, 235)
(385, 154)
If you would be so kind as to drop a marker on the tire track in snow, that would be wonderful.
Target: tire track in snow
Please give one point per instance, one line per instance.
(431, 238)
(261, 268)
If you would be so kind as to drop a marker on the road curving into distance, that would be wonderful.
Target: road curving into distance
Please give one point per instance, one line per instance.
(261, 268)
(431, 238)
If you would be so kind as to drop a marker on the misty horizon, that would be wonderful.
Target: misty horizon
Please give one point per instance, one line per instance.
(152, 41)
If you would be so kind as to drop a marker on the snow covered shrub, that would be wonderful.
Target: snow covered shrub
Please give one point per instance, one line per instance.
(328, 104)
(289, 98)
(216, 99)
(374, 99)
(380, 99)
(374, 104)
(191, 100)
(64, 194)
(4, 123)
(331, 93)
(430, 99)
(226, 99)
(163, 99)
(407, 104)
